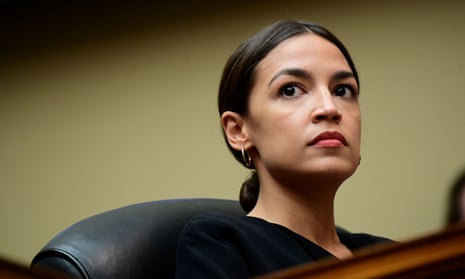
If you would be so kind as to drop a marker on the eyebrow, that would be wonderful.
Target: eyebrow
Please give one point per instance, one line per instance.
(300, 73)
(342, 75)
(291, 72)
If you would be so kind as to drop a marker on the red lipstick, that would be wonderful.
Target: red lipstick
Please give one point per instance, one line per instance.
(329, 139)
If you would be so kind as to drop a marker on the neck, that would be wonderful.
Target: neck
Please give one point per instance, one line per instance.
(305, 208)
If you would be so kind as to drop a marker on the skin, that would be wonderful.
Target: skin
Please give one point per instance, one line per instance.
(303, 88)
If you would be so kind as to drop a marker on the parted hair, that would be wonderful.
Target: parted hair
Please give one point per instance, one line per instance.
(238, 79)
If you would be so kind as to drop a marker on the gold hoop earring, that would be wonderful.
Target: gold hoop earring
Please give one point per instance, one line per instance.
(246, 157)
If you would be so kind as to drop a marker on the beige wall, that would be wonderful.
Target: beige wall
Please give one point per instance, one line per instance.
(127, 117)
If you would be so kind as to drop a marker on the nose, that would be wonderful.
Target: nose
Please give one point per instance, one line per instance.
(326, 109)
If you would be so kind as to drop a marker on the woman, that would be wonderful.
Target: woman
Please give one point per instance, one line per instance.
(456, 201)
(288, 102)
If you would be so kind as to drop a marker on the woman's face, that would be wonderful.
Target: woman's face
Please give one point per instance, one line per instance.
(304, 114)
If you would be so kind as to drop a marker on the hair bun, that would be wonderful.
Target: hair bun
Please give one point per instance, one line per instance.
(249, 192)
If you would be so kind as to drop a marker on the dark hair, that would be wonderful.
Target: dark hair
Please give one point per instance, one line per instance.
(453, 210)
(239, 76)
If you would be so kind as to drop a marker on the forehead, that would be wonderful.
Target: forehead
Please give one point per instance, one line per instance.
(305, 50)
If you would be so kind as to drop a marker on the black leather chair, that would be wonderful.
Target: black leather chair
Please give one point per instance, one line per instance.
(136, 241)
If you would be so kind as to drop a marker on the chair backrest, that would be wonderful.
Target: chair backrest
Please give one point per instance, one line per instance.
(136, 241)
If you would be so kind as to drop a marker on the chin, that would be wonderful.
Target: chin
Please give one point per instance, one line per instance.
(340, 169)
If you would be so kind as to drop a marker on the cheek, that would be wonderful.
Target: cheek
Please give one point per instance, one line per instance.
(357, 124)
(355, 131)
(272, 128)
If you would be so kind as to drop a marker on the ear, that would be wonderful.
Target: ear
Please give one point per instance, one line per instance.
(235, 130)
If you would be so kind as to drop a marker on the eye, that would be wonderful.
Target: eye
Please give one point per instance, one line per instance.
(290, 90)
(345, 91)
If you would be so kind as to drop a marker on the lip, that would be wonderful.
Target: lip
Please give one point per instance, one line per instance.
(329, 139)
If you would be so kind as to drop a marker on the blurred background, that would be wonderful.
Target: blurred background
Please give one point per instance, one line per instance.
(107, 104)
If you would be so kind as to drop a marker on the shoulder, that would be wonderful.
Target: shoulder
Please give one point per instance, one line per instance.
(229, 230)
(211, 230)
(210, 223)
(216, 246)
(214, 220)
(243, 229)
(220, 246)
(360, 240)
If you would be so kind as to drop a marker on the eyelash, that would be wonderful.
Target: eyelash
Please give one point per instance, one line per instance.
(353, 91)
(294, 85)
(297, 86)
